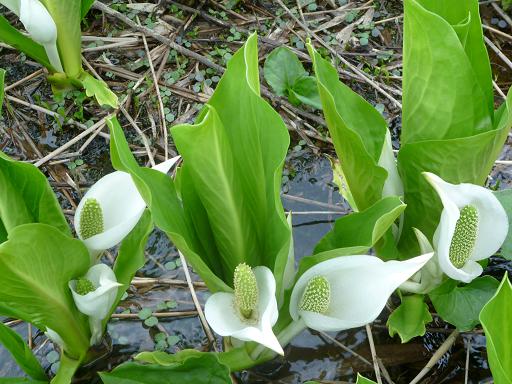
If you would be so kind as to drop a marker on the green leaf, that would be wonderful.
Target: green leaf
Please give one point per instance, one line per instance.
(188, 367)
(357, 130)
(462, 160)
(21, 352)
(355, 233)
(86, 6)
(36, 264)
(66, 371)
(19, 380)
(505, 198)
(99, 89)
(461, 306)
(131, 257)
(282, 69)
(495, 318)
(13, 37)
(409, 319)
(447, 91)
(364, 380)
(159, 192)
(2, 79)
(26, 197)
(306, 91)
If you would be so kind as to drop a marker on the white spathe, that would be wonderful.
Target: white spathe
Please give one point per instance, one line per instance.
(224, 318)
(98, 303)
(360, 286)
(393, 185)
(39, 24)
(492, 225)
(121, 204)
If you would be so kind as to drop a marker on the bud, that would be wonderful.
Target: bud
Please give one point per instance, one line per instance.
(91, 219)
(317, 296)
(464, 236)
(246, 290)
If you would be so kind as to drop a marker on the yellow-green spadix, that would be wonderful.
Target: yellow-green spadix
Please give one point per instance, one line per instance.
(40, 26)
(348, 291)
(110, 210)
(249, 313)
(472, 227)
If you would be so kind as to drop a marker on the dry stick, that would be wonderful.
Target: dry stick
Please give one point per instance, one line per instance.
(345, 348)
(354, 69)
(436, 356)
(313, 202)
(51, 113)
(27, 78)
(496, 31)
(141, 134)
(466, 370)
(164, 40)
(71, 142)
(500, 54)
(156, 314)
(143, 281)
(374, 354)
(163, 125)
(204, 323)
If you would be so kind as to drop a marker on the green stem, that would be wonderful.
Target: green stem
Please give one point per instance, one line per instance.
(67, 369)
(67, 17)
(292, 330)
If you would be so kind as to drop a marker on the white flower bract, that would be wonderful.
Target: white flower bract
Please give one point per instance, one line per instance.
(490, 233)
(225, 319)
(359, 288)
(121, 205)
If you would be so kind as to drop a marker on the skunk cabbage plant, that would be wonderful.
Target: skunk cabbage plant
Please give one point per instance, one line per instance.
(54, 40)
(451, 133)
(44, 267)
(110, 210)
(250, 312)
(473, 226)
(224, 208)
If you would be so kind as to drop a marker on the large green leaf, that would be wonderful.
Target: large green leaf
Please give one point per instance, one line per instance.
(409, 319)
(228, 208)
(186, 367)
(505, 198)
(462, 160)
(21, 353)
(36, 264)
(159, 192)
(447, 90)
(356, 233)
(495, 318)
(26, 197)
(235, 155)
(13, 37)
(358, 132)
(362, 229)
(461, 306)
